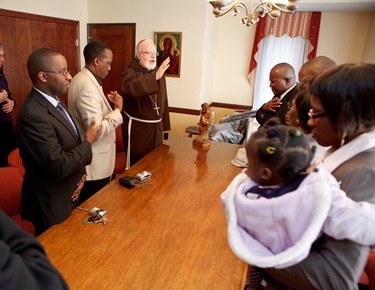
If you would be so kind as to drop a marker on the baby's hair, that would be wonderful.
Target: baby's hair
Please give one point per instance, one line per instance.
(283, 148)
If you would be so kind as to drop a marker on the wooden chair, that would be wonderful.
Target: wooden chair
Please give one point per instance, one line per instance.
(120, 162)
(368, 275)
(10, 196)
(370, 270)
(14, 160)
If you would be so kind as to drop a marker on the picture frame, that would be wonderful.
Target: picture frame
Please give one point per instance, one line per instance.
(169, 44)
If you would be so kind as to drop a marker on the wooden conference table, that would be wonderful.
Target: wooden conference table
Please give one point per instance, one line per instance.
(172, 235)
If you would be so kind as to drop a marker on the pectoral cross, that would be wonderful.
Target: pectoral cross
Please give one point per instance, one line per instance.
(155, 103)
(157, 110)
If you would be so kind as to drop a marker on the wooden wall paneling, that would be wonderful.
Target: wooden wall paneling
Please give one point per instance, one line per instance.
(16, 41)
(21, 33)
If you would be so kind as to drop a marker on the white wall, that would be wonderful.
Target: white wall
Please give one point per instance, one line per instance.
(152, 16)
(233, 46)
(343, 36)
(215, 52)
(369, 50)
(67, 9)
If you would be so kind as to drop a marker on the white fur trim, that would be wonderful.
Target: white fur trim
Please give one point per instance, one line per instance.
(251, 251)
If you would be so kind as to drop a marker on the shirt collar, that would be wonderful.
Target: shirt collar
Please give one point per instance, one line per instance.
(53, 100)
(360, 144)
(98, 79)
(287, 91)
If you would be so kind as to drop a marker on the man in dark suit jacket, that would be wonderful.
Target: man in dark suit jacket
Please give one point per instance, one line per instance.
(53, 153)
(23, 261)
(283, 85)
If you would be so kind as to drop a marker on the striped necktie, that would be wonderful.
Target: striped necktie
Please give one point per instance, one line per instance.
(63, 112)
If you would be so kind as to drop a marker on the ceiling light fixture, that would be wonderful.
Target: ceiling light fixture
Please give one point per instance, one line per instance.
(252, 14)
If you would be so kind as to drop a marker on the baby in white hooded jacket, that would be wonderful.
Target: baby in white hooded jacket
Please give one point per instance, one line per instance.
(276, 210)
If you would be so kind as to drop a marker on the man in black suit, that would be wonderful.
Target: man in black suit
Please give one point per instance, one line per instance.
(23, 261)
(283, 85)
(53, 153)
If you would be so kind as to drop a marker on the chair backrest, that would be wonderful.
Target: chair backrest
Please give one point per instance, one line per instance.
(120, 162)
(10, 196)
(15, 160)
(10, 190)
(370, 270)
(119, 140)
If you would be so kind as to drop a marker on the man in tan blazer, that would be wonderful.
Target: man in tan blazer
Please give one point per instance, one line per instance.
(87, 102)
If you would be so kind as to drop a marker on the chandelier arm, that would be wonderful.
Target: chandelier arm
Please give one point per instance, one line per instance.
(266, 7)
(252, 16)
(280, 8)
(227, 9)
(243, 6)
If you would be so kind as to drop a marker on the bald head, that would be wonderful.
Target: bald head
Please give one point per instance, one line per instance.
(284, 70)
(314, 67)
(145, 44)
(282, 78)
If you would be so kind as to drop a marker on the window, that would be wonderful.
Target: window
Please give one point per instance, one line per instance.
(291, 38)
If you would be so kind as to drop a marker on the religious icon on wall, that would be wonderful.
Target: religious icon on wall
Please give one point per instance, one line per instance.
(168, 44)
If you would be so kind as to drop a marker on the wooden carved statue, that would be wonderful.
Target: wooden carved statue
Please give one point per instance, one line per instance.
(204, 124)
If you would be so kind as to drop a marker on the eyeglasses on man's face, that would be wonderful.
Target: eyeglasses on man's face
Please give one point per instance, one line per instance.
(63, 73)
(314, 115)
(272, 82)
(149, 53)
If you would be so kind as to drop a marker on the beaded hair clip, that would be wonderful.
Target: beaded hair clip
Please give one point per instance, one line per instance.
(272, 132)
(270, 150)
(298, 133)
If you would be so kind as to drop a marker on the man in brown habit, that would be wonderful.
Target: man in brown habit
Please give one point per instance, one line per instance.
(146, 113)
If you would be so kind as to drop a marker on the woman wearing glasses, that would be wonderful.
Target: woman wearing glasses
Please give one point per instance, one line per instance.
(298, 116)
(342, 116)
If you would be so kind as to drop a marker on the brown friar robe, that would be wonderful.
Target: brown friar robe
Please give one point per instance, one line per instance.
(145, 98)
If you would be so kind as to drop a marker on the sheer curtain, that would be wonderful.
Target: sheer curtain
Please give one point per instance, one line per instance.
(291, 38)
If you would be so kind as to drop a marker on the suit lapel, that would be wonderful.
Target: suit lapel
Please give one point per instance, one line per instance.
(290, 95)
(55, 113)
(79, 137)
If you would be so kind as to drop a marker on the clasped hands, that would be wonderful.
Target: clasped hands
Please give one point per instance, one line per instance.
(92, 132)
(8, 104)
(272, 105)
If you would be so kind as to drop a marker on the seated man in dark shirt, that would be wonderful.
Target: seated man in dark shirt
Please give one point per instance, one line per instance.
(283, 85)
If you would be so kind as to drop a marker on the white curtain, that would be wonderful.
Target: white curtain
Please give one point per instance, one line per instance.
(274, 50)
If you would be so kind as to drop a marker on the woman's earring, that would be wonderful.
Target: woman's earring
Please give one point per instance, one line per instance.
(343, 140)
